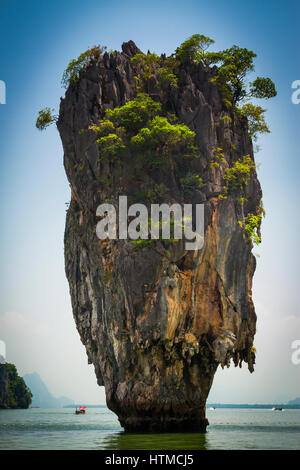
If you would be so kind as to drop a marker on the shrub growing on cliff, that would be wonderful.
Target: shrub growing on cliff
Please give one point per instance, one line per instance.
(252, 223)
(233, 66)
(191, 182)
(237, 177)
(45, 118)
(111, 146)
(236, 62)
(135, 114)
(218, 158)
(161, 140)
(138, 128)
(252, 227)
(192, 50)
(71, 74)
(255, 117)
(154, 73)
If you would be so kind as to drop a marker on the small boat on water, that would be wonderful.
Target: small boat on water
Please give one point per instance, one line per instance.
(277, 409)
(81, 410)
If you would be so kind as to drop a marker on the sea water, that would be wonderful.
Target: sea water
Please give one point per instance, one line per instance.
(99, 429)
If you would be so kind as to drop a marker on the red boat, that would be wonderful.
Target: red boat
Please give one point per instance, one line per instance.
(81, 410)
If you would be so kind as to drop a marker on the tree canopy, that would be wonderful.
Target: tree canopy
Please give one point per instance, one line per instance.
(233, 66)
(193, 49)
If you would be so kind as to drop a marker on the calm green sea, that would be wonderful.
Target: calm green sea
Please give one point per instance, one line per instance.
(99, 429)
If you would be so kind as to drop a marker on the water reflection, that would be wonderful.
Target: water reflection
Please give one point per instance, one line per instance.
(172, 441)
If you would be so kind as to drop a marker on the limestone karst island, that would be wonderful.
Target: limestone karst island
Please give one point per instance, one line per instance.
(156, 318)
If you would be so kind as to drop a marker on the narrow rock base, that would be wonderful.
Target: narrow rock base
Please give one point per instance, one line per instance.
(160, 425)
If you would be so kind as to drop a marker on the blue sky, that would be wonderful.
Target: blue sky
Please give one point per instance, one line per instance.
(37, 40)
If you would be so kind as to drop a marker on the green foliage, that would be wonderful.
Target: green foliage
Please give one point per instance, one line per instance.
(262, 88)
(71, 74)
(233, 66)
(193, 49)
(212, 58)
(255, 117)
(252, 223)
(154, 73)
(45, 118)
(140, 243)
(157, 191)
(104, 128)
(135, 114)
(110, 146)
(236, 62)
(166, 78)
(233, 63)
(218, 158)
(237, 177)
(145, 65)
(191, 182)
(252, 227)
(161, 140)
(226, 118)
(19, 396)
(138, 128)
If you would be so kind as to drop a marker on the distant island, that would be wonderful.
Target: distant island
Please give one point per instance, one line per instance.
(294, 402)
(14, 393)
(290, 405)
(41, 397)
(78, 405)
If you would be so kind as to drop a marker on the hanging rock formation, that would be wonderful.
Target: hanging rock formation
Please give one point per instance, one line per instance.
(157, 321)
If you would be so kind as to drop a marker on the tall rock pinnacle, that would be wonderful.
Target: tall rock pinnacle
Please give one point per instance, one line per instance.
(157, 320)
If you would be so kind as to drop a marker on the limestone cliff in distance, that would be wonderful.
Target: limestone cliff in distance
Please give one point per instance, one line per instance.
(41, 397)
(14, 393)
(157, 320)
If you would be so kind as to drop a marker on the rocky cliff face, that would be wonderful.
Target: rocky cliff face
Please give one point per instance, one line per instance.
(157, 321)
(13, 390)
